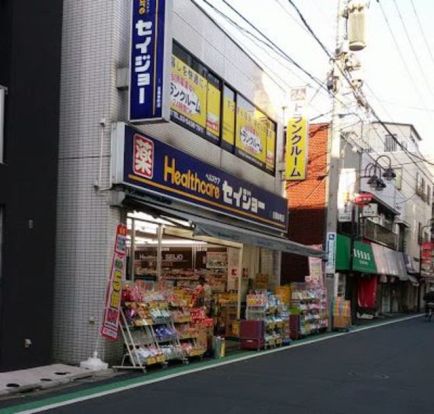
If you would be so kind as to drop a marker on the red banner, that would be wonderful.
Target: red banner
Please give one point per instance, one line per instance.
(426, 257)
(367, 292)
(110, 324)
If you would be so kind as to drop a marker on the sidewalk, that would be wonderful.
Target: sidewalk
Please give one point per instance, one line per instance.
(91, 383)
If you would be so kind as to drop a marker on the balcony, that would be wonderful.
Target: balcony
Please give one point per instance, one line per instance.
(379, 234)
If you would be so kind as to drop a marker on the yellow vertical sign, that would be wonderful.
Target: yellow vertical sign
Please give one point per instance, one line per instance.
(228, 116)
(271, 147)
(213, 111)
(296, 149)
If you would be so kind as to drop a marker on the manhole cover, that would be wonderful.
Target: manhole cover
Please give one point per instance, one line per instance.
(62, 373)
(12, 385)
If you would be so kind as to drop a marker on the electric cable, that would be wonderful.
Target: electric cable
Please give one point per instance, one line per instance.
(422, 71)
(401, 55)
(422, 31)
(269, 43)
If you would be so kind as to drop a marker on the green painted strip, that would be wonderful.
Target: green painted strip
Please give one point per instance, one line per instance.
(183, 370)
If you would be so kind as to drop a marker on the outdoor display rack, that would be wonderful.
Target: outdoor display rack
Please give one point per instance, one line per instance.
(266, 324)
(150, 336)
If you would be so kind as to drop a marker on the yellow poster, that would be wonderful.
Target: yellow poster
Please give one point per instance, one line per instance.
(296, 149)
(213, 111)
(251, 134)
(271, 147)
(188, 95)
(228, 116)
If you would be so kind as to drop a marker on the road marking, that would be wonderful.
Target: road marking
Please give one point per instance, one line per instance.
(36, 407)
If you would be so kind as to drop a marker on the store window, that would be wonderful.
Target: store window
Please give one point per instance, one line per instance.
(201, 102)
(390, 144)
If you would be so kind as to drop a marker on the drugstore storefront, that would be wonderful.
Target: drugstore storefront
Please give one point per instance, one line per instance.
(196, 235)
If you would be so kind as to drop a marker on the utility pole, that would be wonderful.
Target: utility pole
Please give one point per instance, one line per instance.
(334, 157)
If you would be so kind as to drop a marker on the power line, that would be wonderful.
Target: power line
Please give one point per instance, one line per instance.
(273, 46)
(401, 55)
(349, 81)
(269, 43)
(310, 30)
(422, 31)
(410, 154)
(412, 47)
(256, 41)
(290, 15)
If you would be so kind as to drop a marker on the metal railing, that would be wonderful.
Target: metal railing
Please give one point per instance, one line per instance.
(377, 233)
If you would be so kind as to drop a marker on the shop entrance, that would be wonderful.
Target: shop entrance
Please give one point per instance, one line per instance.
(190, 294)
(194, 281)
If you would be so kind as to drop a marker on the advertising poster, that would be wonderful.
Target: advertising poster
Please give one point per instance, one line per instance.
(315, 266)
(188, 94)
(270, 162)
(251, 133)
(296, 149)
(213, 108)
(110, 323)
(228, 118)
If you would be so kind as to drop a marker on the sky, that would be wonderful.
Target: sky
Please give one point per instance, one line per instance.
(397, 64)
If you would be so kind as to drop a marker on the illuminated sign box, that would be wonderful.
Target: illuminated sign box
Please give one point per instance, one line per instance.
(147, 164)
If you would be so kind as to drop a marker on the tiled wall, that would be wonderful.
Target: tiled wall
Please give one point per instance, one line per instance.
(95, 43)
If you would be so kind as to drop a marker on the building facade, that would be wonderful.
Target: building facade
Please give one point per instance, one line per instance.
(200, 146)
(29, 125)
(379, 239)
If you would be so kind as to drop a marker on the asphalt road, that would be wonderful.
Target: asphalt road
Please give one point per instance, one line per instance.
(383, 370)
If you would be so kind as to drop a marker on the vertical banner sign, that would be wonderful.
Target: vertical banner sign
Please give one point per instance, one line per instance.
(296, 149)
(228, 133)
(114, 288)
(426, 258)
(315, 266)
(330, 268)
(149, 64)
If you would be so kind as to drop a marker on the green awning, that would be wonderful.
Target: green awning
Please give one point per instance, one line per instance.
(343, 252)
(363, 258)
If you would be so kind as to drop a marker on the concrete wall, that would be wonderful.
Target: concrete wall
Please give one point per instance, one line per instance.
(415, 209)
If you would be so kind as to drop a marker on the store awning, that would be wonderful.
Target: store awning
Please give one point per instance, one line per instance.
(207, 228)
(389, 262)
(204, 227)
(364, 260)
(343, 252)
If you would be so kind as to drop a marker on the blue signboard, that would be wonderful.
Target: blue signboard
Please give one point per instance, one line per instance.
(149, 60)
(153, 166)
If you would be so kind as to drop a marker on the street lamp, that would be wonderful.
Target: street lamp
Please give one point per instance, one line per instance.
(376, 172)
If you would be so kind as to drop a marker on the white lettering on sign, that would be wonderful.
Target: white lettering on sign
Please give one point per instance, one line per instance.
(142, 63)
(242, 198)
